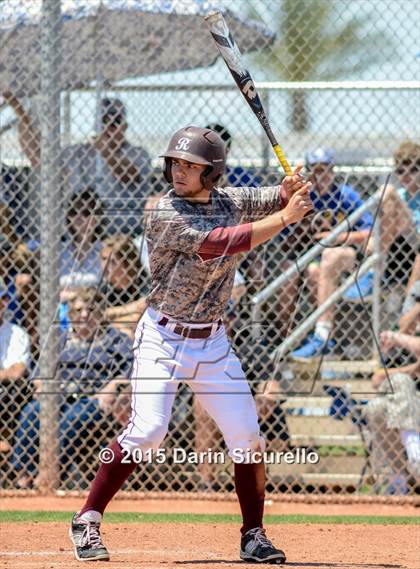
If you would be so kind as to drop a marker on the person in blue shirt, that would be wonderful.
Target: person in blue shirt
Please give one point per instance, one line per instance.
(333, 203)
(400, 222)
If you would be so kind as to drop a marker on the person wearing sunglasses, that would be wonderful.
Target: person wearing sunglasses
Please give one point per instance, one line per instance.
(407, 170)
(400, 223)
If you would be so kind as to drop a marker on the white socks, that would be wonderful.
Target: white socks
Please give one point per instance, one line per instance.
(323, 329)
(91, 516)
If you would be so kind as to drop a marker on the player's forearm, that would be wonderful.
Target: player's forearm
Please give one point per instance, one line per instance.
(267, 228)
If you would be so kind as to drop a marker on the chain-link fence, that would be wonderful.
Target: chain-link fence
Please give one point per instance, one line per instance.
(92, 91)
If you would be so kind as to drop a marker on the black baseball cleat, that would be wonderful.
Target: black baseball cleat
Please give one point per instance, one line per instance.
(87, 541)
(257, 548)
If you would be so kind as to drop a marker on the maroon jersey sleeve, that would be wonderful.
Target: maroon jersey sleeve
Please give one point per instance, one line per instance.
(226, 241)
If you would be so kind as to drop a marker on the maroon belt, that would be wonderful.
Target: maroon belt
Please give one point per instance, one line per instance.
(186, 332)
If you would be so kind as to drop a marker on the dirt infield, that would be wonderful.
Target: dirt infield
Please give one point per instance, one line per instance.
(211, 545)
(190, 546)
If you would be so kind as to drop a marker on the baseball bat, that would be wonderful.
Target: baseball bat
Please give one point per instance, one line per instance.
(233, 59)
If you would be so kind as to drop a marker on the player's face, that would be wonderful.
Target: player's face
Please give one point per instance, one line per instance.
(408, 173)
(322, 177)
(187, 179)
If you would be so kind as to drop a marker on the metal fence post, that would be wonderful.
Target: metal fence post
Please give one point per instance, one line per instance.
(50, 240)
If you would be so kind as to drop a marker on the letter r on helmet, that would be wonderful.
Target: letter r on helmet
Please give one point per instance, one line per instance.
(183, 143)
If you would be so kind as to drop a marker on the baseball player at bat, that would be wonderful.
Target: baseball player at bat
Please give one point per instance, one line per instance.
(194, 236)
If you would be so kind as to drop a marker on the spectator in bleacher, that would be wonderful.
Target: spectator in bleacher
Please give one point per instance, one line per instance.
(15, 359)
(394, 420)
(399, 412)
(94, 360)
(16, 257)
(410, 317)
(80, 259)
(7, 231)
(8, 242)
(407, 338)
(125, 282)
(26, 264)
(17, 192)
(108, 162)
(334, 203)
(410, 343)
(400, 222)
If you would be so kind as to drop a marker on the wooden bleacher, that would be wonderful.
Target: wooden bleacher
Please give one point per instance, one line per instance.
(338, 442)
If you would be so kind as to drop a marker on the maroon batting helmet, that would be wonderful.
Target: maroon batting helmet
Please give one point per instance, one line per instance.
(200, 146)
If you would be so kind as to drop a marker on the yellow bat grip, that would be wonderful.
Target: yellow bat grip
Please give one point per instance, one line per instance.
(282, 159)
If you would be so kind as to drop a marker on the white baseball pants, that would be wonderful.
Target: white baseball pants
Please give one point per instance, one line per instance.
(210, 367)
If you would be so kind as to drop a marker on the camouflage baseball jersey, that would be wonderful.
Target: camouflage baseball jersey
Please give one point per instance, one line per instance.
(185, 287)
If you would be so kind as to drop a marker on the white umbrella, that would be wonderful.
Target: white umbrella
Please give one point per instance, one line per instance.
(115, 39)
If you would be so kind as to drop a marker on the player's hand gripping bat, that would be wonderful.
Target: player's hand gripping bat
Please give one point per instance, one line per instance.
(233, 59)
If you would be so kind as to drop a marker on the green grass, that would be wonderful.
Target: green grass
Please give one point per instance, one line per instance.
(132, 517)
(330, 450)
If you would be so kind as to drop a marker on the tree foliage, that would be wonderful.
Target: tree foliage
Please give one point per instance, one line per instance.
(314, 43)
